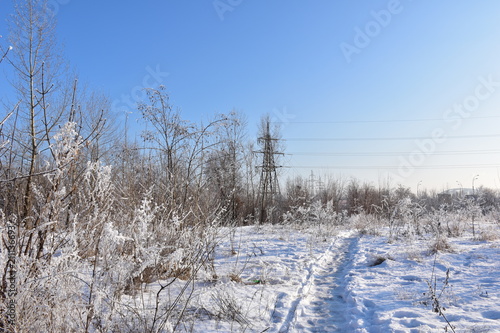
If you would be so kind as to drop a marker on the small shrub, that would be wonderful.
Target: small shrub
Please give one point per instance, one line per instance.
(434, 295)
(367, 224)
(488, 235)
(235, 278)
(440, 245)
(227, 307)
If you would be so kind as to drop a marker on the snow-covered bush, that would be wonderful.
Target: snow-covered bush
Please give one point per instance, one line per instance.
(405, 219)
(83, 253)
(367, 224)
(445, 222)
(470, 209)
(314, 214)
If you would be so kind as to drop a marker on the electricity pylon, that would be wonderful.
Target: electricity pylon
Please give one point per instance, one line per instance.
(269, 185)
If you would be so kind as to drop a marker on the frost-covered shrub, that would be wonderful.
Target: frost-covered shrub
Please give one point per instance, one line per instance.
(442, 221)
(489, 234)
(367, 224)
(66, 146)
(83, 250)
(405, 219)
(440, 244)
(297, 216)
(315, 214)
(470, 209)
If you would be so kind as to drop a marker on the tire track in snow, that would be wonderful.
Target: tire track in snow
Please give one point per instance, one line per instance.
(319, 304)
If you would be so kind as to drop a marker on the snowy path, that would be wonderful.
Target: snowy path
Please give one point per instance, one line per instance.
(319, 304)
(316, 282)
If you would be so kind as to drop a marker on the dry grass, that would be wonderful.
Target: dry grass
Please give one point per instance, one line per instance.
(488, 235)
(440, 245)
(235, 278)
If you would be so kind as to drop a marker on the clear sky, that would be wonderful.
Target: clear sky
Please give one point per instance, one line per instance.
(401, 90)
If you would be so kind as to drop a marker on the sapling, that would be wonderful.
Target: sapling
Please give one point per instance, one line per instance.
(435, 295)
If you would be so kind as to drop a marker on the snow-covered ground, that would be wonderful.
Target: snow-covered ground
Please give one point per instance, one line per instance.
(277, 278)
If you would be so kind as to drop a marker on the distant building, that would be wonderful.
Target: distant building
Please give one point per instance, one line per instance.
(447, 196)
(444, 198)
(458, 192)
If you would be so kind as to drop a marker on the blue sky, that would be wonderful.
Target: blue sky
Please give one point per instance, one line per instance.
(413, 71)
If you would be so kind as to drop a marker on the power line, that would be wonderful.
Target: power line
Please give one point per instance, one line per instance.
(374, 121)
(394, 138)
(372, 167)
(371, 154)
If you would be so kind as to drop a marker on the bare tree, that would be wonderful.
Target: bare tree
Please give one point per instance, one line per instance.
(224, 164)
(297, 192)
(36, 65)
(4, 52)
(175, 151)
(251, 175)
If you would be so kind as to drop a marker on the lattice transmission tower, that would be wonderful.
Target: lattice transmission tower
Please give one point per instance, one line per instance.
(269, 189)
